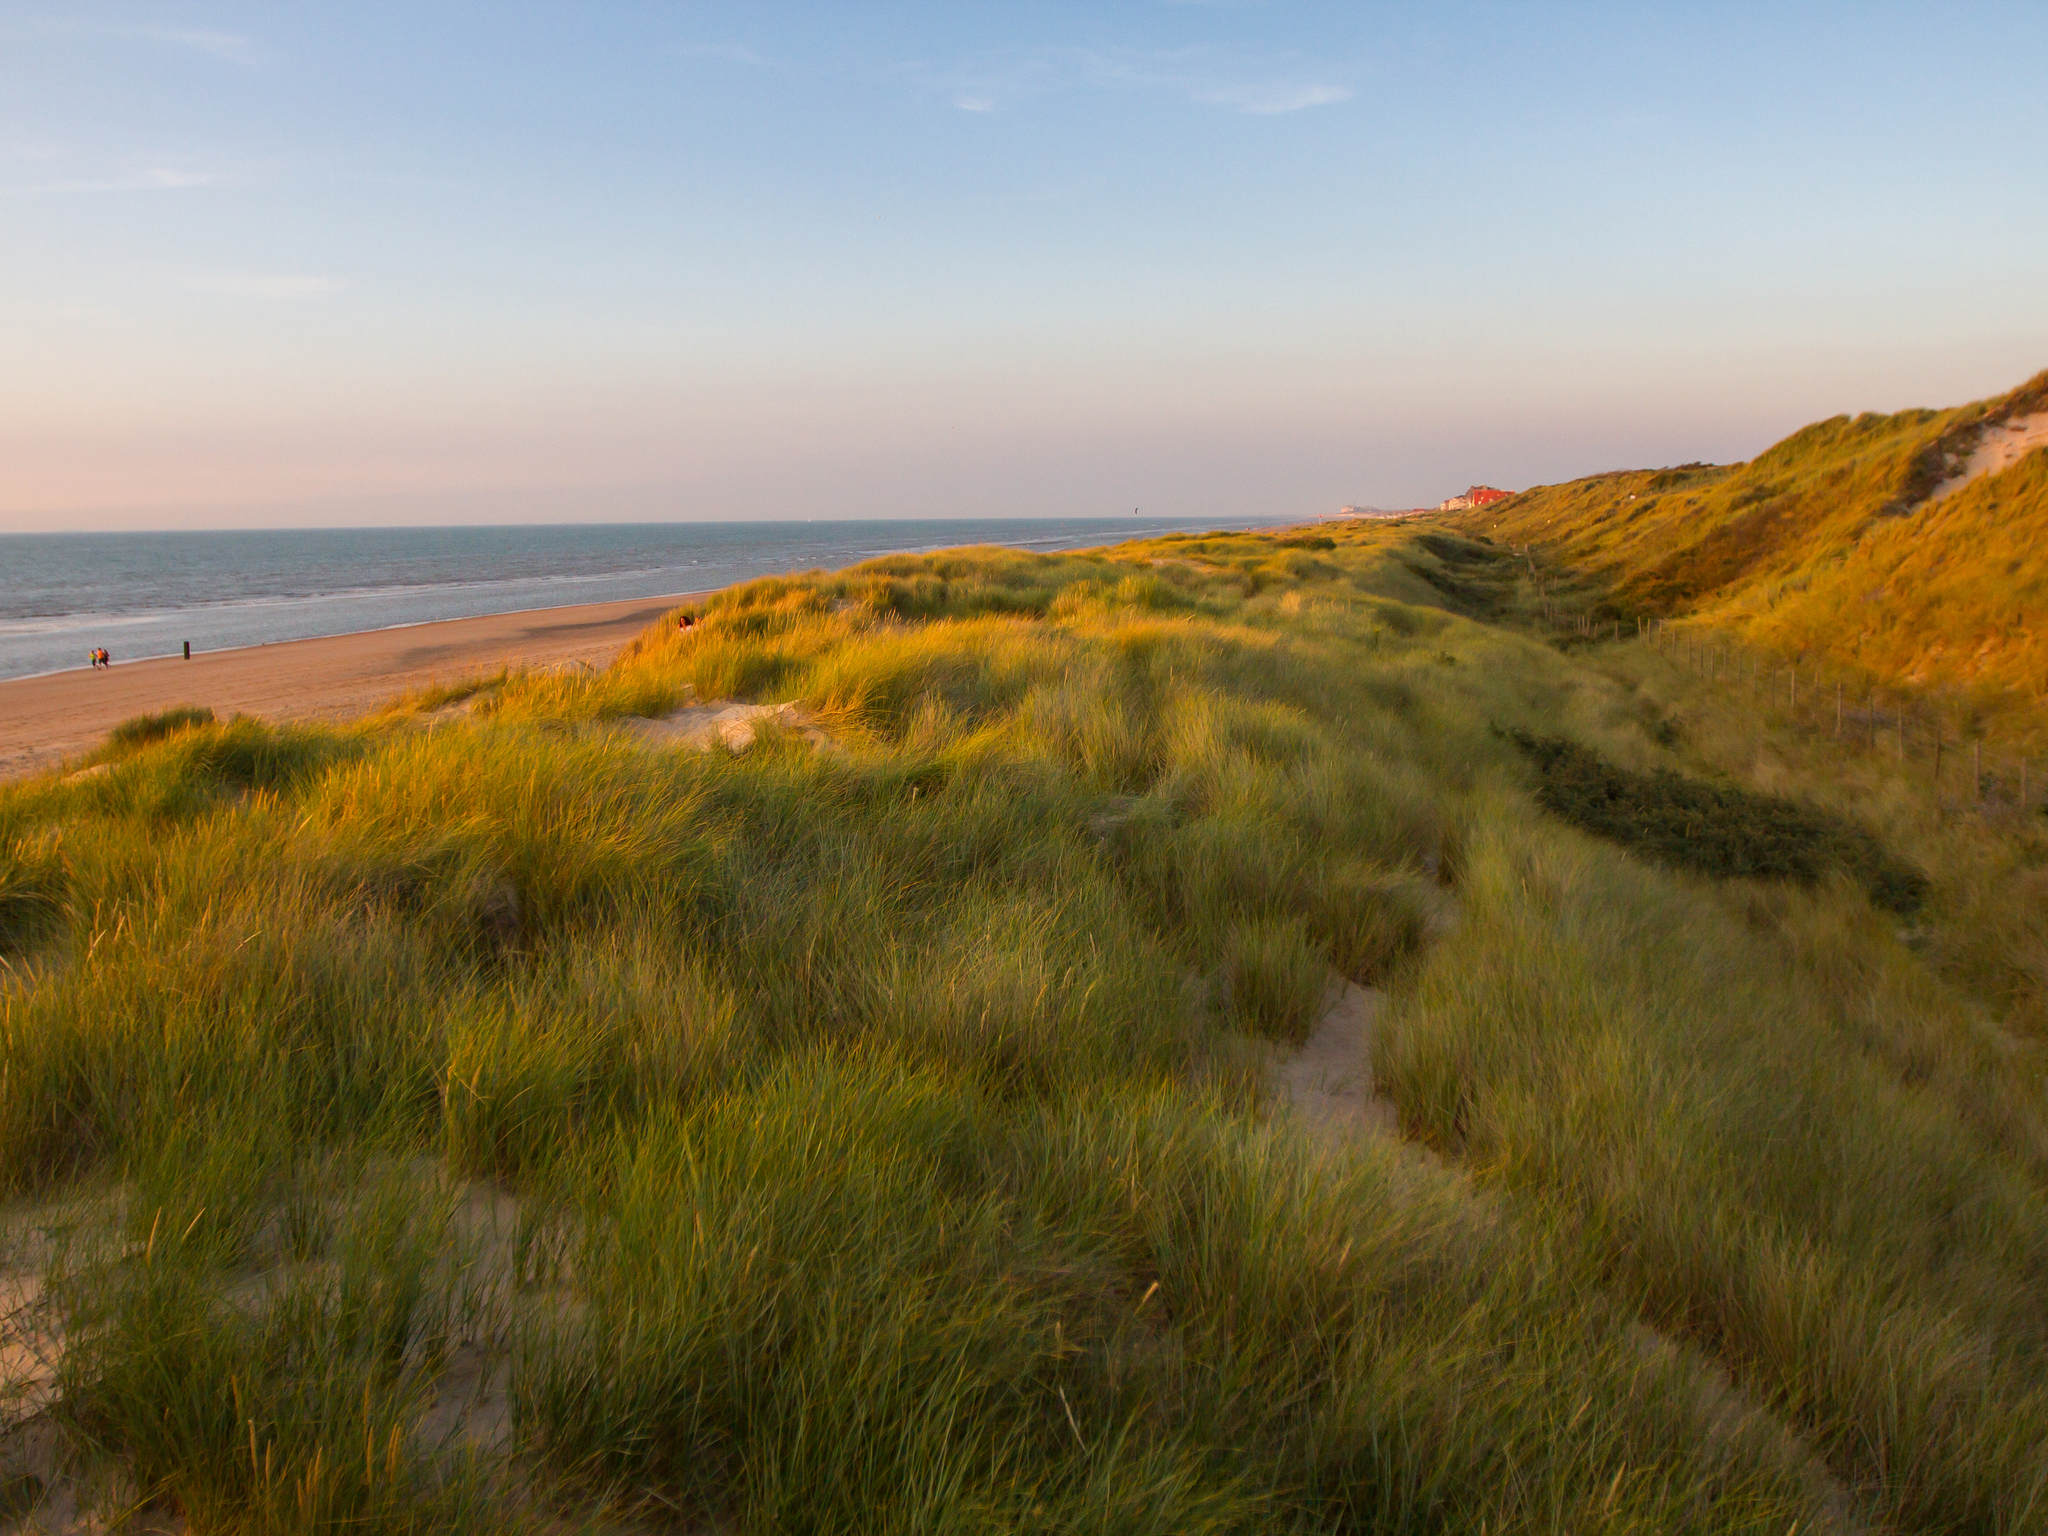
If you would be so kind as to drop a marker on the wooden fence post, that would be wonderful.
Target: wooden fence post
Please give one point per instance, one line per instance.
(1838, 710)
(1977, 769)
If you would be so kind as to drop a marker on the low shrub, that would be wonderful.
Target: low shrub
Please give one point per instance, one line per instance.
(1716, 829)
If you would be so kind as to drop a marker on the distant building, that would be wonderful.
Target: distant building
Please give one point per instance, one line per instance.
(1478, 496)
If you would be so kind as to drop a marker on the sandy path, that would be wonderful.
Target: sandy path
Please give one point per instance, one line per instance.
(1329, 1080)
(46, 719)
(1328, 1088)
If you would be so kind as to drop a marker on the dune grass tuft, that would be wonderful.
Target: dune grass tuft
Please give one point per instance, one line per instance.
(143, 729)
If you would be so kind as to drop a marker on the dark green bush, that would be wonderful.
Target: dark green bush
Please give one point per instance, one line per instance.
(1715, 829)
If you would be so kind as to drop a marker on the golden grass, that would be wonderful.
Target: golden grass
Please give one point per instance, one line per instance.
(883, 1126)
(1825, 547)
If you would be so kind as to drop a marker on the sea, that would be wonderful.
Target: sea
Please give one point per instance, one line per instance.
(147, 594)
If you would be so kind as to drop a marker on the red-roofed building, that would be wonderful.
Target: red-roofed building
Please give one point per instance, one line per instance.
(1478, 496)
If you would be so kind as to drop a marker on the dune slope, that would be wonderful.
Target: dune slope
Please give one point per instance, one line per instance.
(1912, 548)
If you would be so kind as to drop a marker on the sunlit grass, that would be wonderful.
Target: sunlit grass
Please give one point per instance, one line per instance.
(1823, 548)
(884, 1120)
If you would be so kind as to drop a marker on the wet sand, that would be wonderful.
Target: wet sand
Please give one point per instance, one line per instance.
(44, 720)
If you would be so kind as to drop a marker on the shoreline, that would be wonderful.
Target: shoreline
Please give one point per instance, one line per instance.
(49, 717)
(672, 599)
(143, 622)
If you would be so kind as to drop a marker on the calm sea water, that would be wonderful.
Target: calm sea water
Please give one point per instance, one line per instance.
(145, 594)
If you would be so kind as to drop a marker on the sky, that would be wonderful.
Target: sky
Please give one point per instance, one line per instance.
(291, 264)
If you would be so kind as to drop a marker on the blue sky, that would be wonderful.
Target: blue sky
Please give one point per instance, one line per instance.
(433, 262)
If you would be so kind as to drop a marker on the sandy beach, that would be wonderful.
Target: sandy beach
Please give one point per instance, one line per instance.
(44, 720)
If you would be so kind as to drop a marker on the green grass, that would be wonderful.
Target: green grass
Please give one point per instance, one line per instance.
(880, 1131)
(144, 729)
(1824, 549)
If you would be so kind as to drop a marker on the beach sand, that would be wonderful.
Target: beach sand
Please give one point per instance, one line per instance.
(44, 720)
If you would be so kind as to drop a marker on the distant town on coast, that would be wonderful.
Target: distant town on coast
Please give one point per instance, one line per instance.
(1476, 496)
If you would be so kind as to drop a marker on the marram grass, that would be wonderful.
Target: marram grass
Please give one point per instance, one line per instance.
(875, 1134)
(1830, 549)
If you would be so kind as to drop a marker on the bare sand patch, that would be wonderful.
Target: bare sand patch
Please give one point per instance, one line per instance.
(1329, 1081)
(492, 1269)
(1999, 446)
(720, 723)
(39, 1492)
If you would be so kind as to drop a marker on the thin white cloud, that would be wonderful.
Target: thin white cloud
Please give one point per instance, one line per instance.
(266, 285)
(146, 178)
(231, 46)
(32, 167)
(1272, 99)
(1207, 77)
(220, 45)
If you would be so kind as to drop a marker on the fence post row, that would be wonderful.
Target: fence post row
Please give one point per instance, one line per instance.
(1699, 655)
